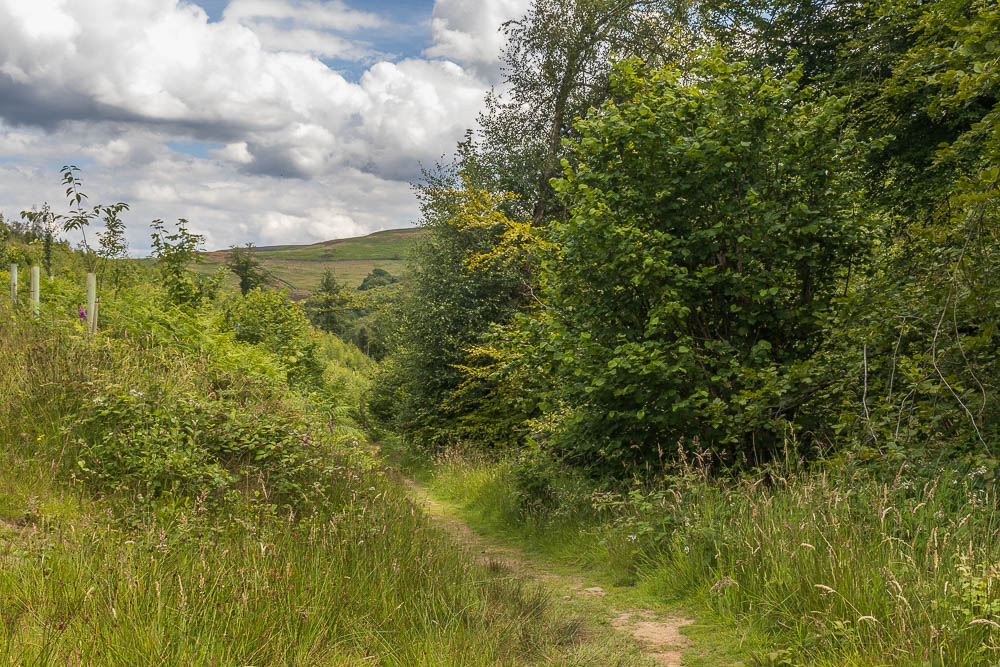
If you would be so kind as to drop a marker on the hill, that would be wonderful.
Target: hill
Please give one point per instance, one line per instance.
(300, 267)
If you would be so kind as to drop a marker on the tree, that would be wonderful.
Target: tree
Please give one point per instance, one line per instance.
(247, 268)
(79, 217)
(43, 221)
(48, 244)
(173, 252)
(377, 278)
(556, 67)
(711, 224)
(113, 249)
(763, 33)
(113, 246)
(451, 303)
(929, 314)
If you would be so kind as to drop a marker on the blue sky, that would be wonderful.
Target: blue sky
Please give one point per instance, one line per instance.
(271, 121)
(407, 36)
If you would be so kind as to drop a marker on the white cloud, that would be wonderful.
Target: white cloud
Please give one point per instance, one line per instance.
(414, 106)
(303, 40)
(235, 152)
(227, 205)
(331, 14)
(468, 31)
(316, 28)
(110, 81)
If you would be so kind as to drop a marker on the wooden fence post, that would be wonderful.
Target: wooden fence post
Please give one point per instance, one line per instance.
(91, 300)
(13, 285)
(35, 288)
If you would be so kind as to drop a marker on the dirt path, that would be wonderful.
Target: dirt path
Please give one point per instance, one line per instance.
(658, 636)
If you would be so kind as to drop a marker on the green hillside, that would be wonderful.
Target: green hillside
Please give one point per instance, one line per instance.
(300, 267)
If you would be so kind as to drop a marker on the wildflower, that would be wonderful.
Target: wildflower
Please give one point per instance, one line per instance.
(83, 315)
(632, 538)
(329, 425)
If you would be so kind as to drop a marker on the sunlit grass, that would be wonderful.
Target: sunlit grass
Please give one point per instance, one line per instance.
(839, 564)
(344, 571)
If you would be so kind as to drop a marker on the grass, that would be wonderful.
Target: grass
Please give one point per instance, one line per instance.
(301, 267)
(242, 590)
(841, 563)
(134, 530)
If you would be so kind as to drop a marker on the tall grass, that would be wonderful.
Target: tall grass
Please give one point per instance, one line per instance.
(286, 545)
(371, 582)
(840, 563)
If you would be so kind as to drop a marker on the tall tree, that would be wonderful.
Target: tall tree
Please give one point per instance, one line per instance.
(556, 67)
(711, 225)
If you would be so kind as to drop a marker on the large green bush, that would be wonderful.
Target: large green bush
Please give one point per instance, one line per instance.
(272, 319)
(158, 440)
(711, 223)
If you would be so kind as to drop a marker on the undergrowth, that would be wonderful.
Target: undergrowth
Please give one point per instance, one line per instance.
(841, 562)
(167, 497)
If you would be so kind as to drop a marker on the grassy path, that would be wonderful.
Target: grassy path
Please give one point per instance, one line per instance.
(612, 624)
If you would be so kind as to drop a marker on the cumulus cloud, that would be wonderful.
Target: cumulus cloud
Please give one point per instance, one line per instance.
(469, 31)
(317, 28)
(221, 201)
(332, 14)
(296, 151)
(303, 40)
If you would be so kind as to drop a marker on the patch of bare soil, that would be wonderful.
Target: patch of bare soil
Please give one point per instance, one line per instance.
(659, 637)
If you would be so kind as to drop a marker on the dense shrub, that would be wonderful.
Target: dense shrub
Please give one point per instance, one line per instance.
(377, 278)
(711, 223)
(272, 319)
(157, 440)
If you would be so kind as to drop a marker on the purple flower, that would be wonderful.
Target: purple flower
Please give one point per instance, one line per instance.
(307, 437)
(329, 426)
(83, 315)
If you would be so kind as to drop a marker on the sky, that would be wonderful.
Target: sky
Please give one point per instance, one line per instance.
(264, 121)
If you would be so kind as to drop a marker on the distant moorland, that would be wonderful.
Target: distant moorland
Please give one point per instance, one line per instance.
(300, 267)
